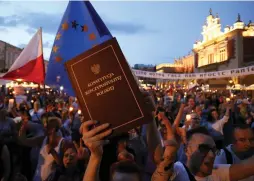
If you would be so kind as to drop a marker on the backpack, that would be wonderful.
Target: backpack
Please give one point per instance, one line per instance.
(191, 177)
(229, 156)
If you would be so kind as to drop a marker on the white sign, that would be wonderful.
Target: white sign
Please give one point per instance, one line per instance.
(207, 75)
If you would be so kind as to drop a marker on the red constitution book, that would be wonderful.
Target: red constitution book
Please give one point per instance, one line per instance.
(106, 89)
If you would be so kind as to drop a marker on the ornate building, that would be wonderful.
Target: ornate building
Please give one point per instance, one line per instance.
(221, 50)
(183, 64)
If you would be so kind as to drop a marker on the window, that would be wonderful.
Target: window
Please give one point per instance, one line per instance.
(222, 55)
(210, 59)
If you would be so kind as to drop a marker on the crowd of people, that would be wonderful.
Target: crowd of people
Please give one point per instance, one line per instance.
(193, 136)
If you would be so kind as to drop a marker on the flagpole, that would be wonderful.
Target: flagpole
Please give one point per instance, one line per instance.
(42, 59)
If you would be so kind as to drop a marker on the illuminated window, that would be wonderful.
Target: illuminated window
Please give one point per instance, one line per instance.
(210, 58)
(222, 55)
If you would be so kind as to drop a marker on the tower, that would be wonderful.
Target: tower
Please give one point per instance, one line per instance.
(212, 27)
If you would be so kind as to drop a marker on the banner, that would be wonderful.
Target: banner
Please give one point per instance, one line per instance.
(207, 75)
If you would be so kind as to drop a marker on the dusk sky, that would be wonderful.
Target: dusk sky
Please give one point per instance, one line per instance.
(149, 32)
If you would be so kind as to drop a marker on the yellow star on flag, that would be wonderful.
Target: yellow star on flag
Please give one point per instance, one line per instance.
(55, 48)
(65, 26)
(92, 36)
(58, 36)
(58, 59)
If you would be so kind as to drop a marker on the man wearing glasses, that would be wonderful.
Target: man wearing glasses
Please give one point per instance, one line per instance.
(201, 152)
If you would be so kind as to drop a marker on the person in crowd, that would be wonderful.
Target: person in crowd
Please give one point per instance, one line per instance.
(241, 149)
(5, 162)
(125, 171)
(36, 112)
(241, 111)
(30, 154)
(51, 145)
(201, 152)
(218, 124)
(8, 136)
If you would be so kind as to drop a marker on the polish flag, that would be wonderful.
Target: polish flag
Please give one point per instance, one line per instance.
(29, 66)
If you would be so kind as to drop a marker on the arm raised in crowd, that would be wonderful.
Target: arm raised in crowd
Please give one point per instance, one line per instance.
(179, 116)
(94, 140)
(242, 170)
(152, 134)
(165, 168)
(30, 142)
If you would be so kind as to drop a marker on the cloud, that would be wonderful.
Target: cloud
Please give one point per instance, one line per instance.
(3, 29)
(31, 31)
(126, 28)
(50, 23)
(4, 3)
(10, 21)
(47, 44)
(22, 45)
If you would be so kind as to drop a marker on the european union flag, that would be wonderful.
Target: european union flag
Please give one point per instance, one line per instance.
(81, 29)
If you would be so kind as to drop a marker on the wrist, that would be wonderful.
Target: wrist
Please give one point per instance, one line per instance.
(95, 157)
(170, 142)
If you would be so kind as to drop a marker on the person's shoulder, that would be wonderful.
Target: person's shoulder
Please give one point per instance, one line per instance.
(221, 172)
(179, 172)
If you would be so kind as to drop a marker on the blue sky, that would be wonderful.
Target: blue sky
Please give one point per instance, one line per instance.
(149, 32)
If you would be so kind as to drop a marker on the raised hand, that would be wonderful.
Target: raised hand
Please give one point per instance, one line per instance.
(82, 152)
(94, 138)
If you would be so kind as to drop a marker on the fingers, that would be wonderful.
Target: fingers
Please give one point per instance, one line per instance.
(76, 145)
(86, 125)
(80, 142)
(98, 137)
(96, 130)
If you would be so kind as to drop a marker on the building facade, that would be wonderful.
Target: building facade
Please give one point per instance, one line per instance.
(222, 50)
(8, 54)
(183, 64)
(145, 82)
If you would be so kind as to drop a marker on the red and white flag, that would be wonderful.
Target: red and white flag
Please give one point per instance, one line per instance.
(29, 66)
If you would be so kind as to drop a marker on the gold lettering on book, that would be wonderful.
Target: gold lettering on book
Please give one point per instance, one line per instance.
(105, 83)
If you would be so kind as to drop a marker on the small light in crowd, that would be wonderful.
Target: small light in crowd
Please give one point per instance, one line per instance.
(79, 111)
(38, 93)
(32, 101)
(227, 99)
(27, 91)
(61, 88)
(13, 92)
(188, 117)
(71, 109)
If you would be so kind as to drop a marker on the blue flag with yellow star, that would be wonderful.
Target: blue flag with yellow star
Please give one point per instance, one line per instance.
(81, 29)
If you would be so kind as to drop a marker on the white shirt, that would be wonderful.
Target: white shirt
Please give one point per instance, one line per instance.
(219, 173)
(36, 116)
(218, 125)
(221, 159)
(45, 164)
